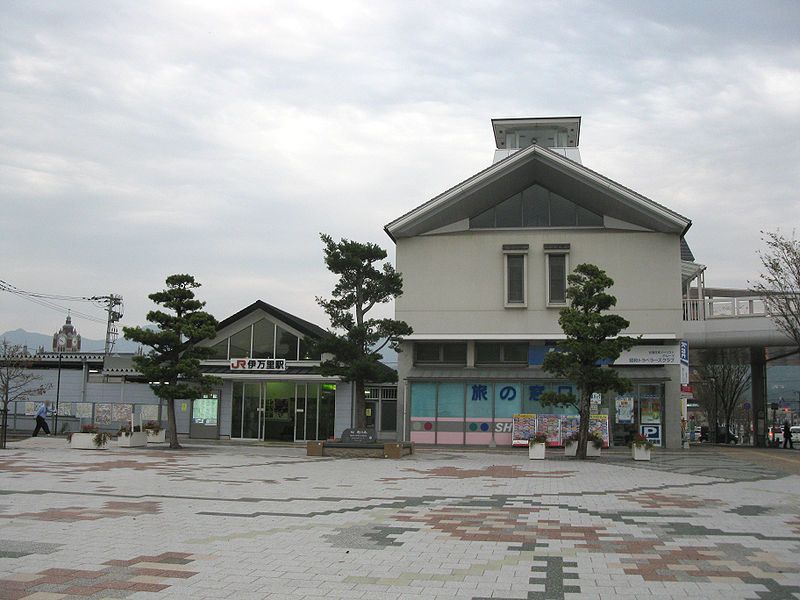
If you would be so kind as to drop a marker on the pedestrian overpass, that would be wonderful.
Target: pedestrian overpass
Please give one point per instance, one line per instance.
(732, 318)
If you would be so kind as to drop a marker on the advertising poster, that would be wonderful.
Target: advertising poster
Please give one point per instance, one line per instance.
(551, 425)
(624, 409)
(599, 423)
(523, 427)
(569, 427)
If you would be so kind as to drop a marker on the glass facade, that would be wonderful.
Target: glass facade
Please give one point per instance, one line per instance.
(474, 412)
(282, 411)
(536, 206)
(264, 339)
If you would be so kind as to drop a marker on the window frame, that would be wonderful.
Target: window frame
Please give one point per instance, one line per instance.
(503, 361)
(515, 250)
(440, 346)
(556, 250)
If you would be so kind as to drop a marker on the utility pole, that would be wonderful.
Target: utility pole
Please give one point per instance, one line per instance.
(113, 304)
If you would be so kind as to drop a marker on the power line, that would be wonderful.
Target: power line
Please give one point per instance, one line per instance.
(44, 300)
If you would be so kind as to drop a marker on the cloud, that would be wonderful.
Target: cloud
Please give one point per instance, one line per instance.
(157, 137)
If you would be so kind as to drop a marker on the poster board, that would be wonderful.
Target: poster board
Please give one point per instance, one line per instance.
(523, 427)
(557, 427)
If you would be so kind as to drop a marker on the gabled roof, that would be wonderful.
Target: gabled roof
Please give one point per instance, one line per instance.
(304, 327)
(536, 164)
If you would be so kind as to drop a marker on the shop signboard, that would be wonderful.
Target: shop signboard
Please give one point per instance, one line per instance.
(258, 364)
(650, 355)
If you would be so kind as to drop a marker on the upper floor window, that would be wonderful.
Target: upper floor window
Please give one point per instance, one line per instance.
(536, 206)
(557, 267)
(264, 339)
(501, 353)
(440, 353)
(515, 257)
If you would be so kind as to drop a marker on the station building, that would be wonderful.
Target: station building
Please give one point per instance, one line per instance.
(485, 268)
(270, 389)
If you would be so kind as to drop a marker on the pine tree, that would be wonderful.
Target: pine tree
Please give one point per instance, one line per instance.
(591, 338)
(355, 341)
(173, 364)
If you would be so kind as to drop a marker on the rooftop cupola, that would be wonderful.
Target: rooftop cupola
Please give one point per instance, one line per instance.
(560, 134)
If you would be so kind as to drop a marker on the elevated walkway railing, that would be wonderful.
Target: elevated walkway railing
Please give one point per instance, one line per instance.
(695, 309)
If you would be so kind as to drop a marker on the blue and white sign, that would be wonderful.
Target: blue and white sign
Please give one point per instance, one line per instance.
(684, 352)
(652, 433)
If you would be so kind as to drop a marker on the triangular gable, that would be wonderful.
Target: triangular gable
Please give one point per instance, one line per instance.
(257, 310)
(522, 169)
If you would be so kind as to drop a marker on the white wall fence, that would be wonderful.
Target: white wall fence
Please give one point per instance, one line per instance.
(723, 308)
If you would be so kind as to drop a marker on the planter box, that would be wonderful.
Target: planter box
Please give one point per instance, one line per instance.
(156, 438)
(536, 451)
(571, 449)
(84, 441)
(640, 453)
(137, 439)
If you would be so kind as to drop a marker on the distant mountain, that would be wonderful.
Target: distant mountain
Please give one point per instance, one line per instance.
(33, 340)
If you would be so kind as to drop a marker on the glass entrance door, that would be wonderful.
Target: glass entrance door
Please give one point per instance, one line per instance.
(279, 411)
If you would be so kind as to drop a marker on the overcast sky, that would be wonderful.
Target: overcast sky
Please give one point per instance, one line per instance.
(140, 139)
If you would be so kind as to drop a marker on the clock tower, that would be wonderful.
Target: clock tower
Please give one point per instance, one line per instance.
(67, 339)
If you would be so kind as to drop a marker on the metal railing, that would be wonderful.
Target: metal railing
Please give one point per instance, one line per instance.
(695, 309)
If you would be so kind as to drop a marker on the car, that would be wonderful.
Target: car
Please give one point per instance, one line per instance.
(775, 436)
(726, 436)
(795, 429)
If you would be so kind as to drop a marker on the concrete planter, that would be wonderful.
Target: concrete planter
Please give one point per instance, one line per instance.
(137, 439)
(536, 451)
(156, 438)
(640, 453)
(84, 441)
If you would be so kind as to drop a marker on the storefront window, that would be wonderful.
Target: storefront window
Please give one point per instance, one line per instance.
(451, 400)
(479, 400)
(507, 400)
(650, 403)
(423, 400)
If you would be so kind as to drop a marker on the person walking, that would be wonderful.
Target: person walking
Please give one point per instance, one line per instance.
(787, 435)
(41, 423)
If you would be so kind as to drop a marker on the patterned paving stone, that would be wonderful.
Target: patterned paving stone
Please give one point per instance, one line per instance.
(231, 521)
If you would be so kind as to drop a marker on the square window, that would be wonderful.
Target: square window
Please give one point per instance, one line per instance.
(427, 352)
(488, 352)
(454, 354)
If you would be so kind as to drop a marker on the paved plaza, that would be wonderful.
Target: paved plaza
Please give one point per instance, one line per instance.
(231, 521)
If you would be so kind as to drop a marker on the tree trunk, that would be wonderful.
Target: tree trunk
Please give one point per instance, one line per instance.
(360, 418)
(583, 427)
(171, 425)
(5, 426)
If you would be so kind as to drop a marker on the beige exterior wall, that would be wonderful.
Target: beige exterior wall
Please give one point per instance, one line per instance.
(454, 283)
